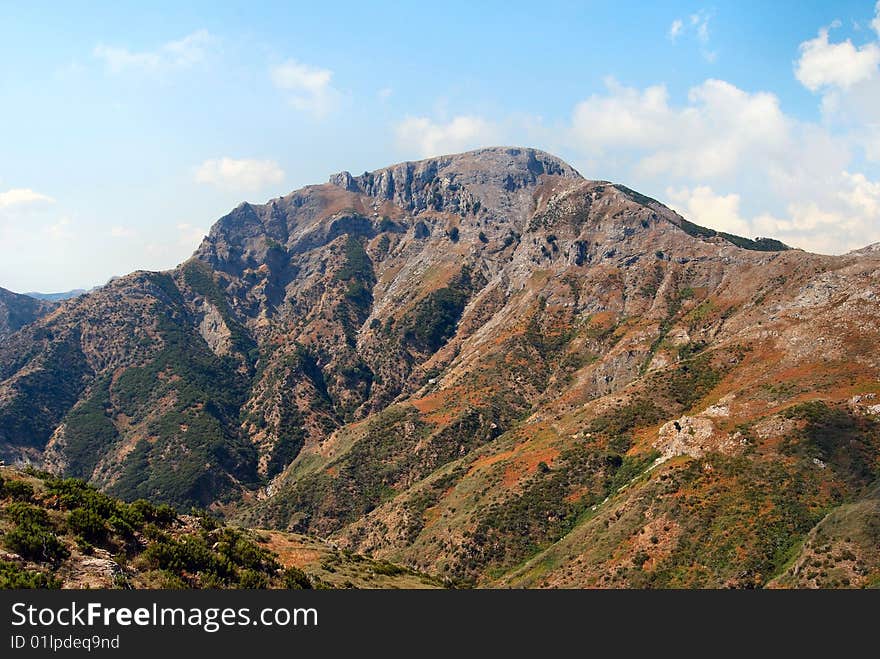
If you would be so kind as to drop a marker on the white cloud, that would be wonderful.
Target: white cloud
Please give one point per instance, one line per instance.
(862, 195)
(308, 88)
(876, 22)
(831, 224)
(427, 138)
(703, 206)
(189, 235)
(700, 23)
(182, 53)
(721, 142)
(719, 128)
(240, 175)
(622, 117)
(22, 197)
(824, 64)
(385, 93)
(727, 158)
(697, 24)
(848, 79)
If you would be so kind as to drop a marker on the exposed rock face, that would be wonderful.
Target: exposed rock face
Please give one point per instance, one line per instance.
(695, 436)
(214, 331)
(500, 181)
(417, 359)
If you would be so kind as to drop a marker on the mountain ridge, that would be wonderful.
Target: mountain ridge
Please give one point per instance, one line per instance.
(17, 310)
(452, 363)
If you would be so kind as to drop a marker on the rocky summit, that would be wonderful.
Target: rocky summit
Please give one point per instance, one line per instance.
(487, 369)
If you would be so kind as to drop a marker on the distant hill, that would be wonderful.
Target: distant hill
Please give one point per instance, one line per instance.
(18, 310)
(57, 297)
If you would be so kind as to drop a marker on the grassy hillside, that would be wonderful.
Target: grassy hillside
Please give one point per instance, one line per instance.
(63, 533)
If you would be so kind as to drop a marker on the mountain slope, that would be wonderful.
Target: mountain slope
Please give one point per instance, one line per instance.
(460, 364)
(16, 311)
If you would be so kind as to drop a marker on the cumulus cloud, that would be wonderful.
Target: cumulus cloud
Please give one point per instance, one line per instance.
(719, 127)
(23, 197)
(862, 195)
(703, 206)
(427, 138)
(308, 88)
(845, 217)
(239, 175)
(675, 29)
(732, 160)
(825, 64)
(182, 53)
(847, 77)
(623, 116)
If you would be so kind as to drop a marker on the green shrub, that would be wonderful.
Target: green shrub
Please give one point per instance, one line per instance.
(637, 413)
(164, 514)
(847, 442)
(17, 490)
(87, 523)
(74, 493)
(36, 543)
(357, 263)
(433, 320)
(388, 569)
(27, 514)
(121, 526)
(252, 580)
(13, 576)
(222, 557)
(89, 431)
(296, 579)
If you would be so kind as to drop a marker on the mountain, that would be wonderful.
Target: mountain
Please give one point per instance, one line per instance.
(869, 249)
(57, 297)
(16, 311)
(487, 368)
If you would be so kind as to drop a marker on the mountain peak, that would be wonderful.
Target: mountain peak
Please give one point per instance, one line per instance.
(873, 248)
(498, 179)
(487, 162)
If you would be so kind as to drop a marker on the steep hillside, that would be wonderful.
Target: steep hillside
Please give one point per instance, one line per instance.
(16, 311)
(482, 366)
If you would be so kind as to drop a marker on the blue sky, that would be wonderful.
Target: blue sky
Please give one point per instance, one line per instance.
(126, 130)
